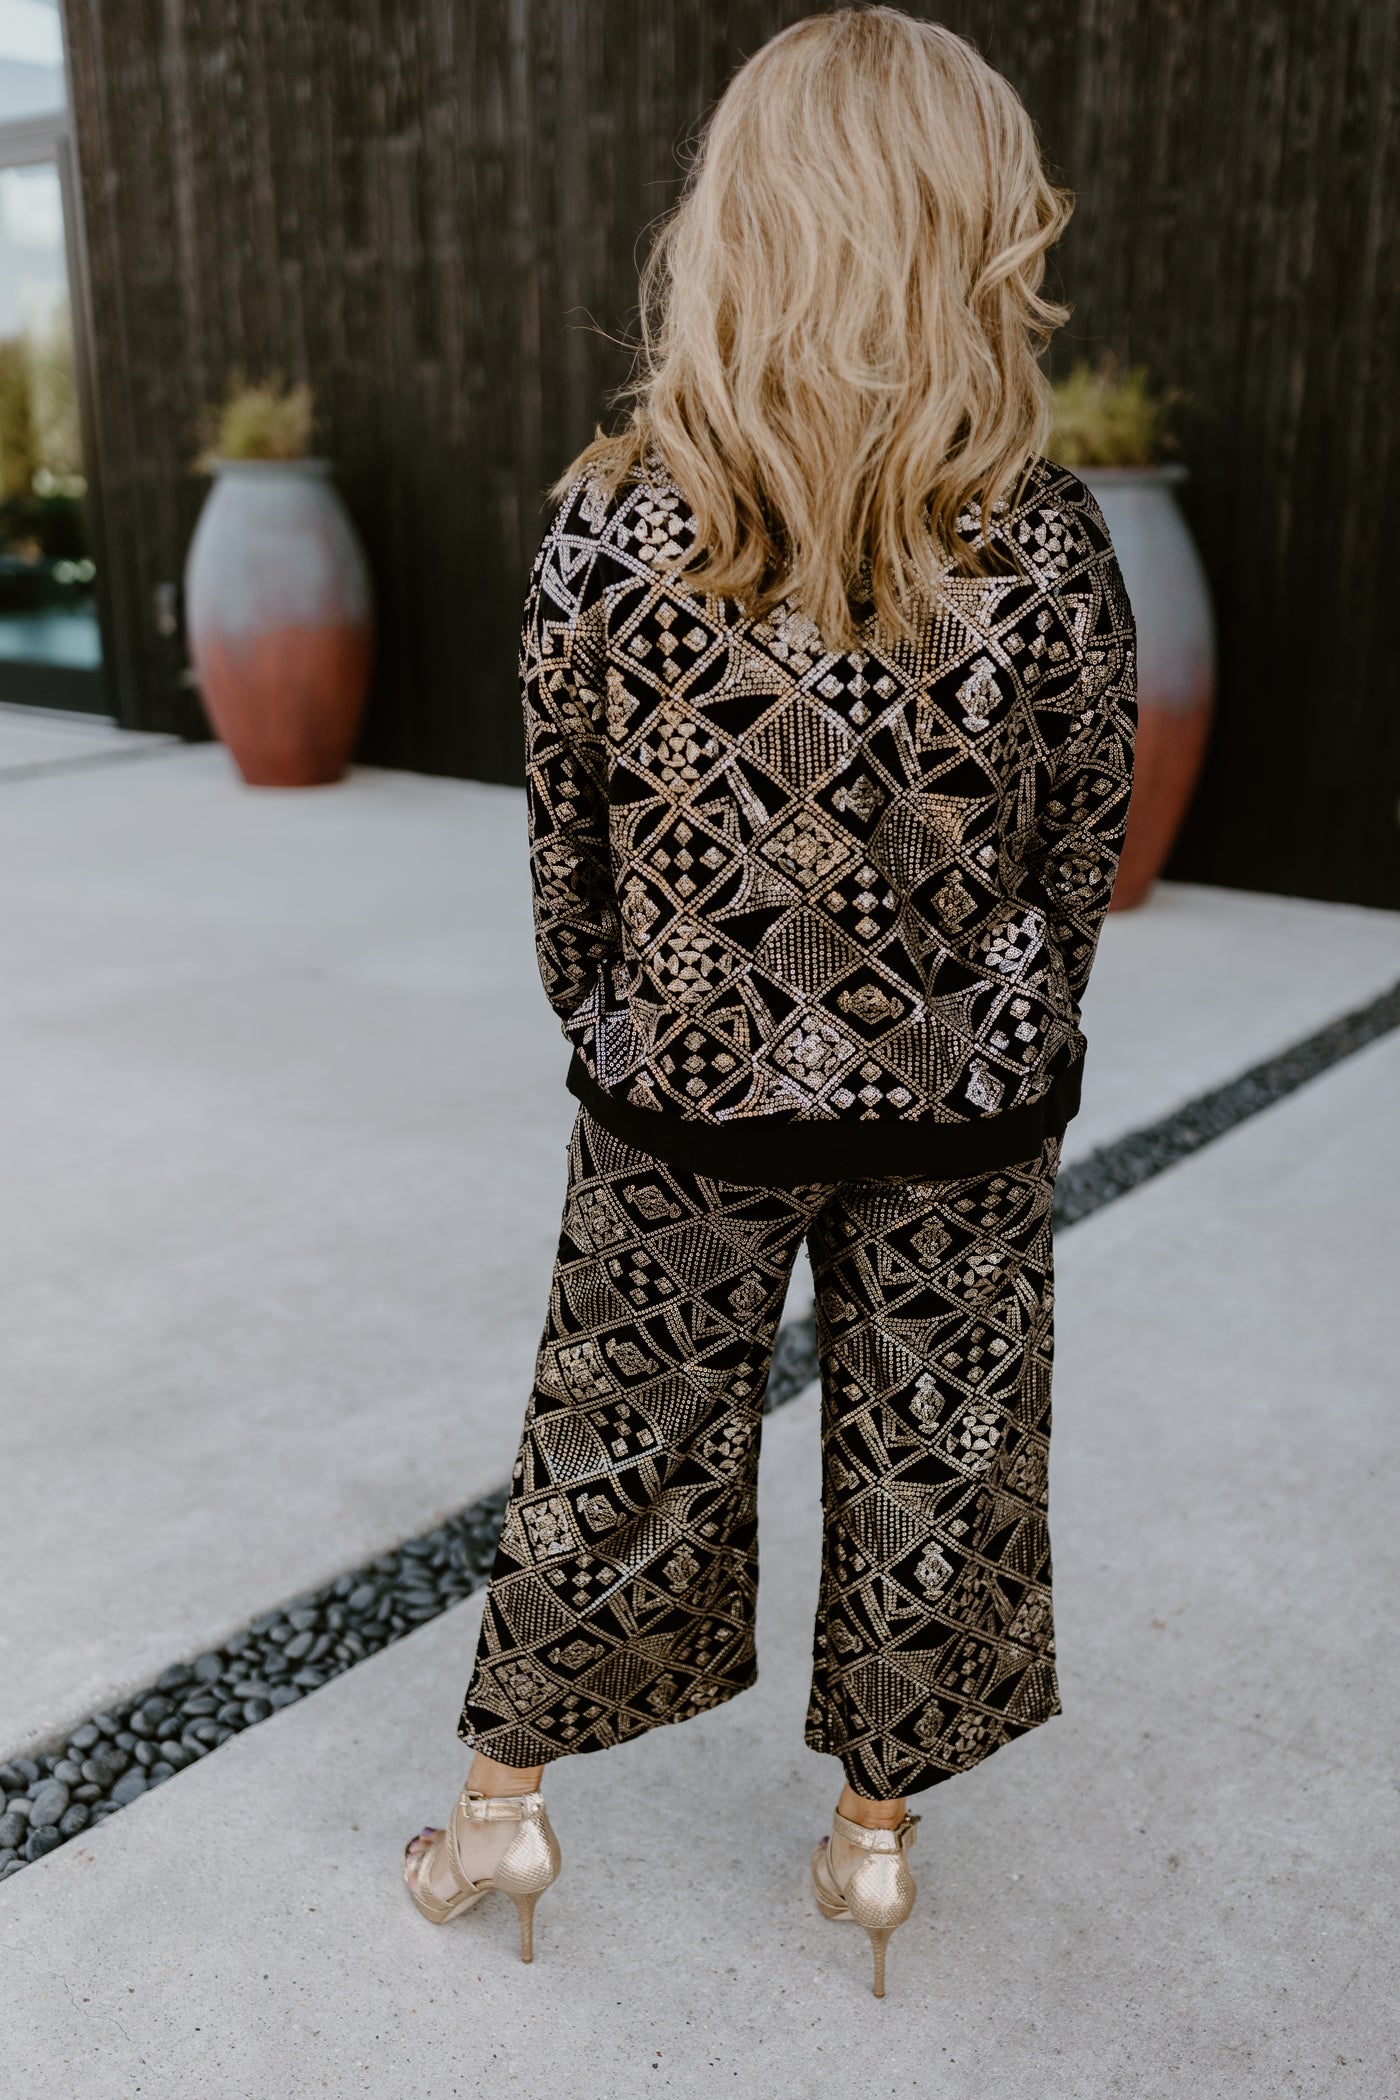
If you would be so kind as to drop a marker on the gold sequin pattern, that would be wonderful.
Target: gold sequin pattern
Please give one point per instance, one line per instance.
(625, 1582)
(772, 882)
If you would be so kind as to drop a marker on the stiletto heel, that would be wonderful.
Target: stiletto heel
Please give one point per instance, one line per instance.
(527, 1867)
(530, 1865)
(525, 1911)
(879, 1941)
(879, 1890)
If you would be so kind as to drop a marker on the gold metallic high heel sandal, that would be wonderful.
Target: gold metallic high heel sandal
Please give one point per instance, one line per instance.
(879, 1890)
(527, 1867)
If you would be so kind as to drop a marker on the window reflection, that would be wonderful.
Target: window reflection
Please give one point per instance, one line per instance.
(47, 615)
(31, 59)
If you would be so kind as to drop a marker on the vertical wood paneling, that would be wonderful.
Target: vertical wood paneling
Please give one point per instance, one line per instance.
(425, 205)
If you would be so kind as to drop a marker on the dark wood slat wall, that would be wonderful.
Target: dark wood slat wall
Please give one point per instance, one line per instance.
(421, 205)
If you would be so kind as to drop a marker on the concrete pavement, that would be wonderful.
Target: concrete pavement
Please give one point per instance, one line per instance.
(40, 740)
(283, 1120)
(281, 1211)
(284, 1125)
(1181, 1889)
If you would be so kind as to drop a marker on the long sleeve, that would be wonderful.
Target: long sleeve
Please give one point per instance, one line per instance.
(577, 931)
(1078, 836)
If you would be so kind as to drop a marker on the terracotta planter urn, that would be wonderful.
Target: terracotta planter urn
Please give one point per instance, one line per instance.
(280, 616)
(1166, 587)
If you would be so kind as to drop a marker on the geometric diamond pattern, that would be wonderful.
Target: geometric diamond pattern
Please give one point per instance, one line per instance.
(778, 883)
(623, 1591)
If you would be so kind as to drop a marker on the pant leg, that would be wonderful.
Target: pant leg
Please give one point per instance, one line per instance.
(625, 1582)
(935, 1640)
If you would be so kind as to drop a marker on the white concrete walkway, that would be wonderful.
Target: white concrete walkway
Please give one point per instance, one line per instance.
(1182, 1889)
(36, 740)
(283, 1123)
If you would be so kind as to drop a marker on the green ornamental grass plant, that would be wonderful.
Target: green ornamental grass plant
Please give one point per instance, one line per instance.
(1104, 418)
(262, 419)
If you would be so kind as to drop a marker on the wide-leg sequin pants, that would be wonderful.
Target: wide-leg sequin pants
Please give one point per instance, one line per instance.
(625, 1581)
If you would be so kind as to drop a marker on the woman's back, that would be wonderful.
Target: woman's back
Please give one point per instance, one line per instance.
(781, 891)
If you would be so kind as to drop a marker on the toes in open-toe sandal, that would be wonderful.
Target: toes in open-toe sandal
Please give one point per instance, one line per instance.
(526, 1868)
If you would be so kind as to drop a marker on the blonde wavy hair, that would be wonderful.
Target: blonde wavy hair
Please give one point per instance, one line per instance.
(841, 319)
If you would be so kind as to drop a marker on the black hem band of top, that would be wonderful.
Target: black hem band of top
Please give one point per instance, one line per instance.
(764, 1153)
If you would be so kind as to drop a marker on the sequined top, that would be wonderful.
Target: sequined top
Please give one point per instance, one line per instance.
(807, 915)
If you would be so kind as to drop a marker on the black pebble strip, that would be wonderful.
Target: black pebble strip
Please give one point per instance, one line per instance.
(192, 1708)
(1117, 1168)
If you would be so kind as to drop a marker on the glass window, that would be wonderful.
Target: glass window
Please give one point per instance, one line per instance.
(49, 641)
(31, 59)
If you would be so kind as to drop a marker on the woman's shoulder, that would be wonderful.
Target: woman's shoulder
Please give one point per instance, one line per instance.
(1052, 519)
(639, 511)
(606, 531)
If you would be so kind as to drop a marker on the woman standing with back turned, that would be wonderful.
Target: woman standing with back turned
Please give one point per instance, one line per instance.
(829, 704)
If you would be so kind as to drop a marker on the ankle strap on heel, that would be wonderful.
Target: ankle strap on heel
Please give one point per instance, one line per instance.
(500, 1808)
(869, 1837)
